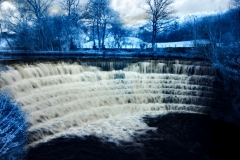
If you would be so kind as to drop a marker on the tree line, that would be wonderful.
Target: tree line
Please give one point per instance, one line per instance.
(36, 27)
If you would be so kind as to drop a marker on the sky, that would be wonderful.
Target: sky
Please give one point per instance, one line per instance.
(132, 11)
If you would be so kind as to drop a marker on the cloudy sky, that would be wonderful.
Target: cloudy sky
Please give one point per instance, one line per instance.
(132, 11)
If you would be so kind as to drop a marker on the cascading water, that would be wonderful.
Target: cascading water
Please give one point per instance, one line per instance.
(86, 98)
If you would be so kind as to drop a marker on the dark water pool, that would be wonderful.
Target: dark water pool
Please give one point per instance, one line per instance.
(178, 137)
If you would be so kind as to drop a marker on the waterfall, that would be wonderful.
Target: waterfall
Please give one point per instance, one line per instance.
(105, 99)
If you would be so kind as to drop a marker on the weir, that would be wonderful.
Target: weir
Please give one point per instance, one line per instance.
(106, 98)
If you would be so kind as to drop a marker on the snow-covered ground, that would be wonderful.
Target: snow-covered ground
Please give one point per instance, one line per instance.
(180, 44)
(3, 43)
(127, 42)
(133, 42)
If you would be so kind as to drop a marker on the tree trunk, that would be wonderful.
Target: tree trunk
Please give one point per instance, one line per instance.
(103, 34)
(154, 36)
(93, 35)
(98, 34)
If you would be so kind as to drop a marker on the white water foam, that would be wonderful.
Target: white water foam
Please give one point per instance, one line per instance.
(65, 99)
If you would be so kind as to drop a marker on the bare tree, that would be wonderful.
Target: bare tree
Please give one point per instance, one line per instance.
(70, 6)
(71, 26)
(19, 21)
(39, 10)
(234, 3)
(4, 35)
(39, 7)
(159, 11)
(223, 32)
(100, 15)
(117, 31)
(1, 30)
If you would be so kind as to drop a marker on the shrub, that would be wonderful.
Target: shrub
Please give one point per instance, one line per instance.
(13, 128)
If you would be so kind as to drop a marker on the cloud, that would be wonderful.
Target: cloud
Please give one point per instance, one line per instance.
(185, 7)
(6, 5)
(130, 11)
(133, 11)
